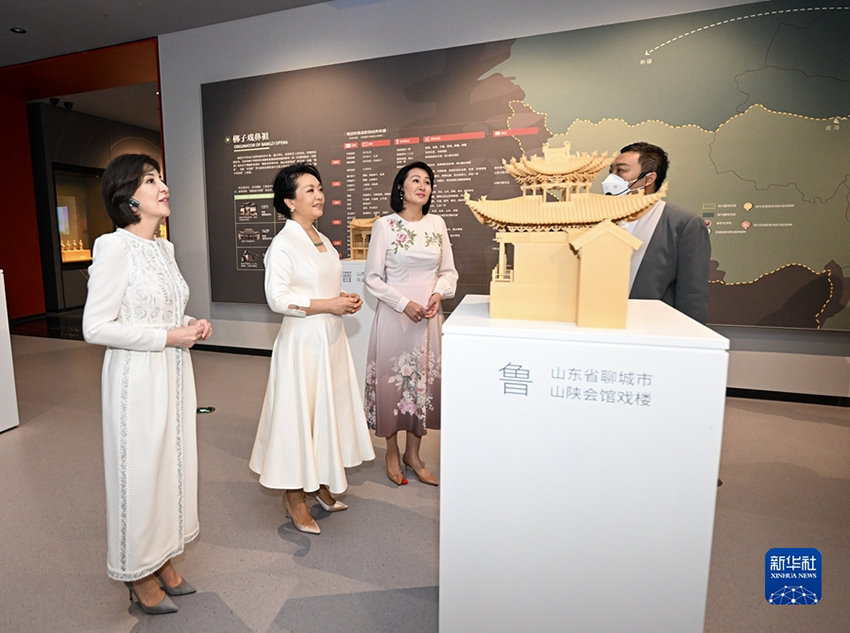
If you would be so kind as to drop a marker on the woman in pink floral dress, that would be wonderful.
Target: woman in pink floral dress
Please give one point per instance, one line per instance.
(410, 269)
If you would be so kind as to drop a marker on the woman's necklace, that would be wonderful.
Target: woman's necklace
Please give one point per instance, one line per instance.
(318, 244)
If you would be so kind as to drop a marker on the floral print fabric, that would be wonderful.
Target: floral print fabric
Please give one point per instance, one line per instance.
(408, 261)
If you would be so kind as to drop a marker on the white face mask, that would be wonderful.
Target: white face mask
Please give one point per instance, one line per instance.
(613, 185)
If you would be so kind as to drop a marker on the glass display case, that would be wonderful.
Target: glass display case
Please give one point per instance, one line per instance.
(80, 215)
(80, 218)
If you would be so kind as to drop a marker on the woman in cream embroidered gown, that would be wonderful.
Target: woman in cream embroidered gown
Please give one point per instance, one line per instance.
(410, 269)
(312, 425)
(136, 298)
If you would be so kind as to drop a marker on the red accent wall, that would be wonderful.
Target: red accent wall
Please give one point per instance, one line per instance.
(20, 257)
(109, 67)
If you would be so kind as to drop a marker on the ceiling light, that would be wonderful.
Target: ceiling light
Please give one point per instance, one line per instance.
(18, 30)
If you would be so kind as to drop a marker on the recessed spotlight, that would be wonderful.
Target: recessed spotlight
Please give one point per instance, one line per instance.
(18, 30)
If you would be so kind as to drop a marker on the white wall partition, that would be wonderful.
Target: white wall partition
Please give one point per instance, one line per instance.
(8, 398)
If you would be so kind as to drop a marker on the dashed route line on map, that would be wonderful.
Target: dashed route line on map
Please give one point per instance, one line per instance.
(833, 119)
(529, 106)
(776, 270)
(650, 51)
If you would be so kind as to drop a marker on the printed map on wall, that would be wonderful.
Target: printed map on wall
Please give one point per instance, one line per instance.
(750, 102)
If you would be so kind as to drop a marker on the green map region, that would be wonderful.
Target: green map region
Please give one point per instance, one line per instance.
(751, 104)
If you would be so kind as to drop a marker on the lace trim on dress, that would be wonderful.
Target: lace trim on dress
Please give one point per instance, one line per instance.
(130, 576)
(123, 433)
(153, 270)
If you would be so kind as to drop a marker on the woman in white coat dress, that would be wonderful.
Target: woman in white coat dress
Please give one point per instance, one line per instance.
(312, 424)
(136, 298)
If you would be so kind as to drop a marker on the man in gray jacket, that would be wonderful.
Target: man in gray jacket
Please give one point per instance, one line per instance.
(672, 263)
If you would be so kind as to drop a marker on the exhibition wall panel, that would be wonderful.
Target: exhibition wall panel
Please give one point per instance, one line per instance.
(779, 229)
(320, 35)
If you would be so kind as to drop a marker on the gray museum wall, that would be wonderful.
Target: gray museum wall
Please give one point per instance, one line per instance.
(347, 30)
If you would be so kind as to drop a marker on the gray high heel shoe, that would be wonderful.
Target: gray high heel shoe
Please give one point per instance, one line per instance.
(183, 589)
(163, 606)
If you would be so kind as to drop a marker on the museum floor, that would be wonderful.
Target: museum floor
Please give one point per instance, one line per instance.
(786, 483)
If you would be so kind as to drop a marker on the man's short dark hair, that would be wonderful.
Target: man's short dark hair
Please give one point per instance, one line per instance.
(123, 176)
(652, 158)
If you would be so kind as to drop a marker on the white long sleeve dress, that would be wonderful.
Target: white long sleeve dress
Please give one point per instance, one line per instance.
(135, 294)
(312, 424)
(407, 261)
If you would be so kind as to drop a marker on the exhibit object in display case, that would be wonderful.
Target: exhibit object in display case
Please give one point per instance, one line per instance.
(570, 258)
(359, 232)
(73, 251)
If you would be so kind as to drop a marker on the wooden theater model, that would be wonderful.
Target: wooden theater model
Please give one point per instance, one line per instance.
(359, 232)
(571, 260)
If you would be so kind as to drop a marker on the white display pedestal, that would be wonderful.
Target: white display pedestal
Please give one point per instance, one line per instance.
(578, 472)
(8, 398)
(358, 326)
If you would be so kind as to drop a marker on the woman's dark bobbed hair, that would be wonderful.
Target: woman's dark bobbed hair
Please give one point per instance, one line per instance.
(122, 177)
(397, 195)
(286, 184)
